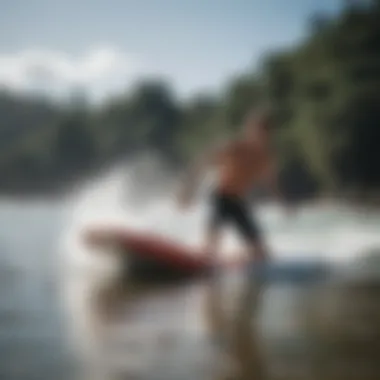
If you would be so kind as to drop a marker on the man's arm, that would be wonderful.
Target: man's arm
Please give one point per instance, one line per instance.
(196, 171)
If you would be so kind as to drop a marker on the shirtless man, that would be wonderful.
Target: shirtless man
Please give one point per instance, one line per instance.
(241, 164)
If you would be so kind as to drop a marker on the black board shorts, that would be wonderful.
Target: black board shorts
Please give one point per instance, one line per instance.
(227, 209)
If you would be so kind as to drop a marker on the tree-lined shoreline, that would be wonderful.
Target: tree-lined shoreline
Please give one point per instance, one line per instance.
(325, 93)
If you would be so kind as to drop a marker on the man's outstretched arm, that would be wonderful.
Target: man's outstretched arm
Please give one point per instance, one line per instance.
(197, 170)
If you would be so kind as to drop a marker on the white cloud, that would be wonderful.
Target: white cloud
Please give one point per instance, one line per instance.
(100, 71)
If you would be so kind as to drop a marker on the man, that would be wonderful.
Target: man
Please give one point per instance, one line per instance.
(241, 164)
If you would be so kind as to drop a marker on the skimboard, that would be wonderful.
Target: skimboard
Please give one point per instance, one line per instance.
(152, 256)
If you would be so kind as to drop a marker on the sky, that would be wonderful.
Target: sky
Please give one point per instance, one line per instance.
(105, 46)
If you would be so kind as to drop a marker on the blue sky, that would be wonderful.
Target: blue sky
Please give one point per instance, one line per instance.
(106, 45)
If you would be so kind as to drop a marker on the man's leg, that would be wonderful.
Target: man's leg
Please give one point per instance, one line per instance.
(258, 249)
(261, 258)
(214, 227)
(246, 356)
(250, 232)
(212, 242)
(252, 235)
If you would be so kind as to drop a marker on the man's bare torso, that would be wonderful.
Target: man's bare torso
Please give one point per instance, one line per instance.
(240, 167)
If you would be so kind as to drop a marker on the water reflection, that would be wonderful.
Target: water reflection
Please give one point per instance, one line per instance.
(129, 330)
(223, 328)
(236, 334)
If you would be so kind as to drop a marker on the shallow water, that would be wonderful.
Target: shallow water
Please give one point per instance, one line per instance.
(64, 315)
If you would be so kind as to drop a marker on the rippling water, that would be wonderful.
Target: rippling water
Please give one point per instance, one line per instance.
(64, 315)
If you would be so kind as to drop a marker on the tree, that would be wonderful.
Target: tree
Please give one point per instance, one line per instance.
(74, 145)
